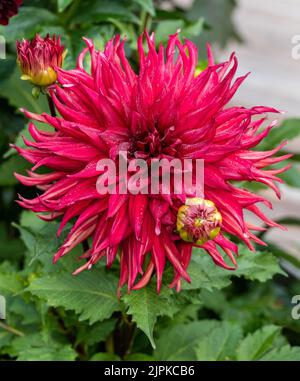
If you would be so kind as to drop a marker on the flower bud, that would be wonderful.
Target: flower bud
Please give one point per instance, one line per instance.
(198, 221)
(39, 58)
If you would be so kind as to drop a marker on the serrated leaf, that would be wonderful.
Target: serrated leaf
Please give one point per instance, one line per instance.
(34, 347)
(9, 282)
(42, 243)
(259, 265)
(255, 345)
(146, 306)
(91, 294)
(205, 274)
(220, 344)
(62, 353)
(286, 353)
(179, 343)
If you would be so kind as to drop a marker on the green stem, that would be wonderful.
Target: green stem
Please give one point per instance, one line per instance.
(11, 329)
(51, 105)
(122, 339)
(146, 21)
(67, 17)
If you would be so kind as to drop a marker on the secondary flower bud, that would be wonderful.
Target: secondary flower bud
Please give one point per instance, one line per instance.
(198, 221)
(38, 59)
(8, 8)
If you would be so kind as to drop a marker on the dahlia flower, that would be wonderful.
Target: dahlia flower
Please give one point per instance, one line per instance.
(39, 58)
(8, 8)
(164, 111)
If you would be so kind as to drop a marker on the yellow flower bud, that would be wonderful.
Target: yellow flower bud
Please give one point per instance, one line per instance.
(198, 221)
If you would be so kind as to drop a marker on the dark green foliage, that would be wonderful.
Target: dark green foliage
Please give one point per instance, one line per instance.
(52, 315)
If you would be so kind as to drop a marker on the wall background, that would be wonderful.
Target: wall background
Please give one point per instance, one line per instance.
(267, 28)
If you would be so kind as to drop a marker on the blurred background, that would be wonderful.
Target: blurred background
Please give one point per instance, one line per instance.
(263, 34)
(268, 30)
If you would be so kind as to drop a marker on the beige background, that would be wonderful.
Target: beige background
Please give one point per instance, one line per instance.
(267, 28)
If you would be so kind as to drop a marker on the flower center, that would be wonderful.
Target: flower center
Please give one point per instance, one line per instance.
(153, 143)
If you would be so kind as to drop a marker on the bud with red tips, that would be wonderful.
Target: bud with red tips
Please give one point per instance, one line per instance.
(39, 58)
(198, 221)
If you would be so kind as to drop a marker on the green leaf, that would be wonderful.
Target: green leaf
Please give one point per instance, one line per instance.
(205, 274)
(287, 130)
(46, 353)
(102, 356)
(96, 333)
(9, 281)
(218, 15)
(188, 30)
(145, 306)
(63, 4)
(11, 121)
(179, 343)
(28, 22)
(34, 347)
(194, 29)
(18, 93)
(30, 220)
(259, 265)
(138, 357)
(147, 5)
(220, 344)
(9, 166)
(41, 244)
(91, 294)
(97, 11)
(292, 176)
(167, 27)
(10, 249)
(255, 345)
(286, 353)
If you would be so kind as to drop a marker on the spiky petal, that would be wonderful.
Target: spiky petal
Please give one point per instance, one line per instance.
(161, 111)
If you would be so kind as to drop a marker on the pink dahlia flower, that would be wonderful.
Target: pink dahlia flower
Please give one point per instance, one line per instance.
(8, 8)
(163, 110)
(39, 58)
